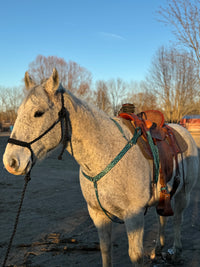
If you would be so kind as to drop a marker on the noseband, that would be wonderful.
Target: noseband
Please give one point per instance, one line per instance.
(63, 118)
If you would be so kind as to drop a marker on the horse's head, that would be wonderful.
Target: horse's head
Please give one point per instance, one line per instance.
(35, 115)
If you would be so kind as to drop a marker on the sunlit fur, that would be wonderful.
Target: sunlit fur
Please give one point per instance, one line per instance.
(125, 190)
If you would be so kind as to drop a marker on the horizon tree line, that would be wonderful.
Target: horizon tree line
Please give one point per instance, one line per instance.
(171, 86)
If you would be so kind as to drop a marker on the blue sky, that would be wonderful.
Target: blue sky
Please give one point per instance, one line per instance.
(110, 38)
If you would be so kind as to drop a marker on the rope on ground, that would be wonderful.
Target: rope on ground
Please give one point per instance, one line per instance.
(27, 179)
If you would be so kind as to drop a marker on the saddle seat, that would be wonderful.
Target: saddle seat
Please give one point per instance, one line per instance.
(169, 143)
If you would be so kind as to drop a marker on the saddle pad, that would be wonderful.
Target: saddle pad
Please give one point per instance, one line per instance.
(182, 145)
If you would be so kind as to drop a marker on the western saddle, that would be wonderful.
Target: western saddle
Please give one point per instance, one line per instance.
(169, 143)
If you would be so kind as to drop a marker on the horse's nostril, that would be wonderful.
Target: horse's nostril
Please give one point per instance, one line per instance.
(14, 164)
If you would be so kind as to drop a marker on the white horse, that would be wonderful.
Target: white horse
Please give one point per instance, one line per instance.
(124, 191)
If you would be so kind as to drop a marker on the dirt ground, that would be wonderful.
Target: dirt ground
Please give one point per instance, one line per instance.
(55, 229)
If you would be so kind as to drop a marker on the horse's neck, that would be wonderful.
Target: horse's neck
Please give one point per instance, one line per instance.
(93, 137)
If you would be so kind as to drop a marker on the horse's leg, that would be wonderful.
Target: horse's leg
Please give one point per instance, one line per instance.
(181, 202)
(135, 230)
(160, 241)
(104, 227)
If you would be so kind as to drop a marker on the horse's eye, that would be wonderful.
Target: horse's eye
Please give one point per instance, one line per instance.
(38, 114)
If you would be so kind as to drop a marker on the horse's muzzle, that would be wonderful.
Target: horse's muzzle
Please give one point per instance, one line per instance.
(17, 165)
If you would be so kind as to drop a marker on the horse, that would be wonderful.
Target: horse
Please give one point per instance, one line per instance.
(93, 138)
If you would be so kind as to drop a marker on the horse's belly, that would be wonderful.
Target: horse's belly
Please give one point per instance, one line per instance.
(122, 189)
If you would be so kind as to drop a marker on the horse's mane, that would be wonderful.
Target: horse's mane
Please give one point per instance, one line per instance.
(79, 105)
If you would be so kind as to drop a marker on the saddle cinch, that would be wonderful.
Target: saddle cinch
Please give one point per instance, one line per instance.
(169, 143)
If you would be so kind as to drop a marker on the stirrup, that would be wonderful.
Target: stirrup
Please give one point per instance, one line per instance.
(164, 206)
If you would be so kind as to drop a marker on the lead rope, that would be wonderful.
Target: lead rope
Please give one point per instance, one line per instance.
(27, 179)
(66, 131)
(66, 137)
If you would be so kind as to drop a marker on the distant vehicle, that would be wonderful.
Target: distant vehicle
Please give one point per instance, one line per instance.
(191, 123)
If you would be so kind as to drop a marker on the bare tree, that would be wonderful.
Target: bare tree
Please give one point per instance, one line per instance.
(10, 99)
(184, 17)
(141, 97)
(101, 98)
(76, 78)
(173, 77)
(117, 90)
(41, 68)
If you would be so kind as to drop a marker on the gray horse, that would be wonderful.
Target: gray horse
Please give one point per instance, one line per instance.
(95, 141)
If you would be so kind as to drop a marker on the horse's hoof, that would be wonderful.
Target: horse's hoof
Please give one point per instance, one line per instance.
(153, 255)
(174, 256)
(177, 259)
(155, 252)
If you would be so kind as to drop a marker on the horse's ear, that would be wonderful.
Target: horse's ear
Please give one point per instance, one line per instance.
(28, 81)
(52, 83)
